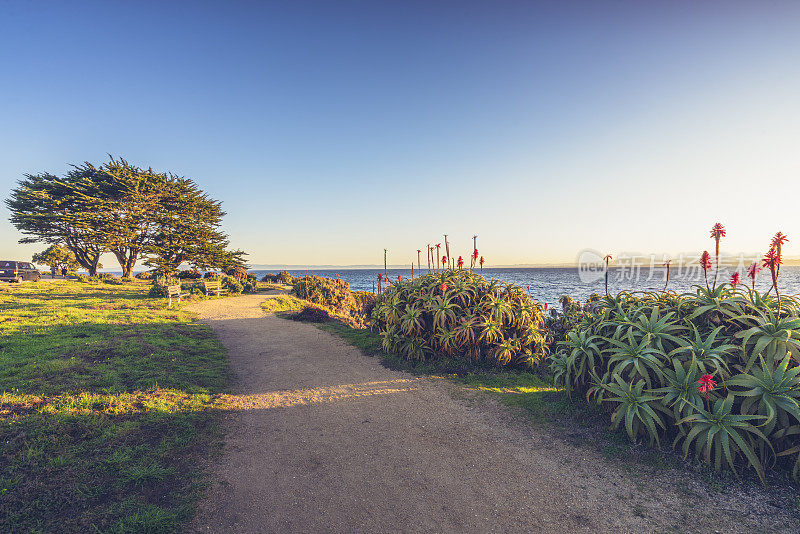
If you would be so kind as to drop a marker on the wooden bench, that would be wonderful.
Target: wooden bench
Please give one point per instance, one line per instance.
(214, 286)
(174, 292)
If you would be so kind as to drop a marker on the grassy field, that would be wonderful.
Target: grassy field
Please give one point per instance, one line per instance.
(283, 303)
(105, 414)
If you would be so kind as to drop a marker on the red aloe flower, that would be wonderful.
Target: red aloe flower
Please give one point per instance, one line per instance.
(475, 254)
(443, 287)
(444, 260)
(705, 263)
(398, 278)
(482, 260)
(380, 277)
(778, 240)
(460, 262)
(752, 271)
(705, 260)
(545, 306)
(735, 279)
(707, 384)
(772, 258)
(717, 231)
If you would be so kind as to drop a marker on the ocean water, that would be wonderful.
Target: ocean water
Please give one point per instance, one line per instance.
(548, 284)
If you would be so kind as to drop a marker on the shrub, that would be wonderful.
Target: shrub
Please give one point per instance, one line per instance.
(144, 275)
(189, 274)
(158, 287)
(249, 285)
(239, 273)
(328, 292)
(83, 278)
(314, 314)
(365, 303)
(285, 277)
(107, 276)
(213, 275)
(716, 370)
(233, 285)
(461, 315)
(113, 281)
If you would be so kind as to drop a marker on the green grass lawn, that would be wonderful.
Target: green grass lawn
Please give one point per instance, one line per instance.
(105, 413)
(283, 303)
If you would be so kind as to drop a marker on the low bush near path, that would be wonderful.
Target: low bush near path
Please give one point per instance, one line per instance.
(461, 314)
(715, 372)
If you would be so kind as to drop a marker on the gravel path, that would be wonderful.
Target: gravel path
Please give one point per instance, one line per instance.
(325, 439)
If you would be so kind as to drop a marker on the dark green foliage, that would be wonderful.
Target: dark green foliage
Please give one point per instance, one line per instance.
(189, 274)
(57, 256)
(313, 313)
(462, 315)
(60, 211)
(283, 277)
(131, 212)
(233, 285)
(144, 275)
(643, 356)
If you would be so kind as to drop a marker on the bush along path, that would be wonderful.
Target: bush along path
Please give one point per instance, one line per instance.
(321, 437)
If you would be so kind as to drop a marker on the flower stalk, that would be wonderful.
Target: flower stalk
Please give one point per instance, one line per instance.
(717, 233)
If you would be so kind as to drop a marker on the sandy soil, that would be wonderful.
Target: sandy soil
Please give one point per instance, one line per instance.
(325, 439)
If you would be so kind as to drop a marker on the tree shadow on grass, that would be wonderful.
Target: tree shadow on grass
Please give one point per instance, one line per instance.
(67, 472)
(71, 460)
(67, 359)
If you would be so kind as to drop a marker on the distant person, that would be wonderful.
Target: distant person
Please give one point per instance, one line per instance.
(64, 272)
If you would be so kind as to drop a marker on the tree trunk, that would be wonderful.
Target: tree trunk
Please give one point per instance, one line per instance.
(127, 259)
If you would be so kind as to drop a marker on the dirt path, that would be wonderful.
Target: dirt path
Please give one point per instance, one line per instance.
(328, 440)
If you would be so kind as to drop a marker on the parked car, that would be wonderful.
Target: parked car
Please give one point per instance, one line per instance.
(17, 271)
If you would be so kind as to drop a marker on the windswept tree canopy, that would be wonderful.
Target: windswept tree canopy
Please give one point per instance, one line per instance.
(188, 230)
(60, 210)
(58, 257)
(130, 212)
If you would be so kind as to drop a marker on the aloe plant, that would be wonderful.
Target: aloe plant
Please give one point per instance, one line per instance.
(634, 359)
(461, 314)
(636, 408)
(680, 392)
(719, 368)
(772, 333)
(709, 355)
(719, 435)
(772, 392)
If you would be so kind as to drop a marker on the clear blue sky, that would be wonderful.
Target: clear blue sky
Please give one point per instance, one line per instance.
(333, 130)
